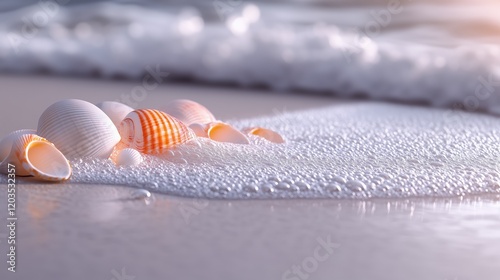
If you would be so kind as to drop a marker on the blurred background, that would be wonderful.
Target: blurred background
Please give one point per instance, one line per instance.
(441, 53)
(242, 59)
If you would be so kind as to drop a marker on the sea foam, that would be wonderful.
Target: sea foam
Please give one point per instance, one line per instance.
(114, 40)
(365, 150)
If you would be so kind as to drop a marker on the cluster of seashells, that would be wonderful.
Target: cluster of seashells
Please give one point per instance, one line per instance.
(120, 134)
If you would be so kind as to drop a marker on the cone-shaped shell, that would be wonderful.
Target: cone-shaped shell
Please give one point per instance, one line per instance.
(153, 132)
(188, 112)
(116, 111)
(223, 132)
(79, 129)
(7, 142)
(128, 157)
(265, 133)
(32, 155)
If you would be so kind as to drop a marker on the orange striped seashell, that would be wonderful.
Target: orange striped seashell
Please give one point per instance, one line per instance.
(151, 131)
(265, 133)
(189, 112)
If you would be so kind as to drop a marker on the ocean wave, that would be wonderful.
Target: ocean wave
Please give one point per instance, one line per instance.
(115, 40)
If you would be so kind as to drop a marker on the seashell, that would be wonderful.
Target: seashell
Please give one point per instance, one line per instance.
(78, 129)
(189, 112)
(128, 157)
(7, 141)
(200, 129)
(265, 133)
(153, 132)
(33, 155)
(223, 132)
(116, 111)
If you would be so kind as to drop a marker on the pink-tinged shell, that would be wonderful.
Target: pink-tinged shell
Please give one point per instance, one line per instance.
(33, 155)
(200, 129)
(151, 131)
(223, 132)
(265, 133)
(116, 111)
(189, 112)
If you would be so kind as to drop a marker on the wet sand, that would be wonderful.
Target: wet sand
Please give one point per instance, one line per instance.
(101, 232)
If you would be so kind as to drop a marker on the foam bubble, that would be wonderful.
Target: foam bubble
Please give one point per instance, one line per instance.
(362, 150)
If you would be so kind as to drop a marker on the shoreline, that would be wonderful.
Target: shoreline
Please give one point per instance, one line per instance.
(92, 231)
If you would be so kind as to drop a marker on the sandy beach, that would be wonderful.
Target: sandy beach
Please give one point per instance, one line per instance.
(103, 232)
(384, 116)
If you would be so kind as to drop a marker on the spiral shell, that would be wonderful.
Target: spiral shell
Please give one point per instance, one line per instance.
(223, 132)
(116, 111)
(7, 142)
(188, 112)
(32, 155)
(79, 129)
(128, 157)
(265, 133)
(153, 132)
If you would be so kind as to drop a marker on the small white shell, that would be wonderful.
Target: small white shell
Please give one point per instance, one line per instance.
(223, 132)
(116, 111)
(265, 133)
(7, 142)
(79, 129)
(128, 157)
(188, 112)
(32, 155)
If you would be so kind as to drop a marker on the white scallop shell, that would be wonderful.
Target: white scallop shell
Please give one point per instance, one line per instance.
(128, 157)
(32, 155)
(223, 132)
(7, 141)
(79, 129)
(116, 111)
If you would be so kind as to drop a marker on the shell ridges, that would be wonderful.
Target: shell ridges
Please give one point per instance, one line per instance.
(153, 132)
